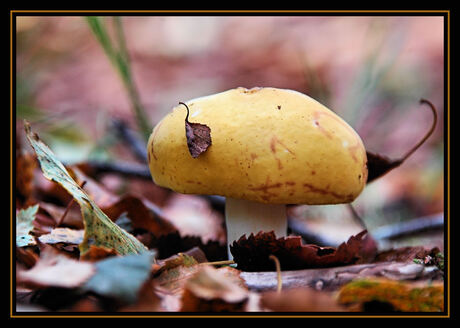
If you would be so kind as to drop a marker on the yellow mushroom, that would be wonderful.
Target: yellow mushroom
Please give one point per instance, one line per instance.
(270, 147)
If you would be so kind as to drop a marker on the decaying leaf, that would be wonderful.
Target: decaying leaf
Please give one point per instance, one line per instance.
(198, 136)
(406, 254)
(99, 229)
(401, 296)
(147, 300)
(252, 253)
(72, 217)
(121, 277)
(56, 270)
(97, 253)
(171, 279)
(24, 226)
(174, 243)
(379, 165)
(300, 300)
(191, 257)
(193, 216)
(25, 166)
(214, 290)
(142, 213)
(63, 235)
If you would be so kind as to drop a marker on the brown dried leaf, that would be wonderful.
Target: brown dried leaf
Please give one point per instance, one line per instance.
(147, 300)
(97, 253)
(63, 235)
(300, 300)
(193, 216)
(54, 269)
(25, 167)
(72, 218)
(406, 254)
(142, 213)
(252, 253)
(172, 280)
(174, 243)
(379, 165)
(198, 136)
(191, 257)
(214, 290)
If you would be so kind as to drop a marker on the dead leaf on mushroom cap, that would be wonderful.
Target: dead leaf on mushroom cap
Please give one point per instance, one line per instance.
(198, 136)
(252, 253)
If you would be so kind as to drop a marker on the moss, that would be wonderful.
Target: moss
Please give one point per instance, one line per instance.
(403, 296)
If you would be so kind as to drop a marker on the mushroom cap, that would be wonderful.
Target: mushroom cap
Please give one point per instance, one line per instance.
(269, 145)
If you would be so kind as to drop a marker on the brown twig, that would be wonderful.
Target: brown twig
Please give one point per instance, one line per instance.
(69, 205)
(428, 134)
(278, 272)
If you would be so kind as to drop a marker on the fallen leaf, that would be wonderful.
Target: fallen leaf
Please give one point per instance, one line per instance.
(252, 253)
(214, 290)
(25, 167)
(26, 256)
(142, 213)
(198, 136)
(147, 301)
(99, 229)
(56, 270)
(193, 216)
(174, 243)
(63, 235)
(120, 277)
(72, 218)
(300, 300)
(24, 226)
(191, 257)
(97, 253)
(171, 280)
(406, 254)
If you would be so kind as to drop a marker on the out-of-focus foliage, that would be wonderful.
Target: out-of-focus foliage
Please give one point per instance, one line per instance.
(371, 70)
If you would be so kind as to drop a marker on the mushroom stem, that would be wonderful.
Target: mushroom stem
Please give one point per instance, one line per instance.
(246, 217)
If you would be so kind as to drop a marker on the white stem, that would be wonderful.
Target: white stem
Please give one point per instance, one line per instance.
(246, 217)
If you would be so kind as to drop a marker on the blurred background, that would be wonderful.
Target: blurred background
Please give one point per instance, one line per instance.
(372, 71)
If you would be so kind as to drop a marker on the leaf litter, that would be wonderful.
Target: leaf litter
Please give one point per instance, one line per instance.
(166, 268)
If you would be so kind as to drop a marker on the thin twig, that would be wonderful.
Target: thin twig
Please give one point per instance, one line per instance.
(428, 134)
(69, 205)
(278, 272)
